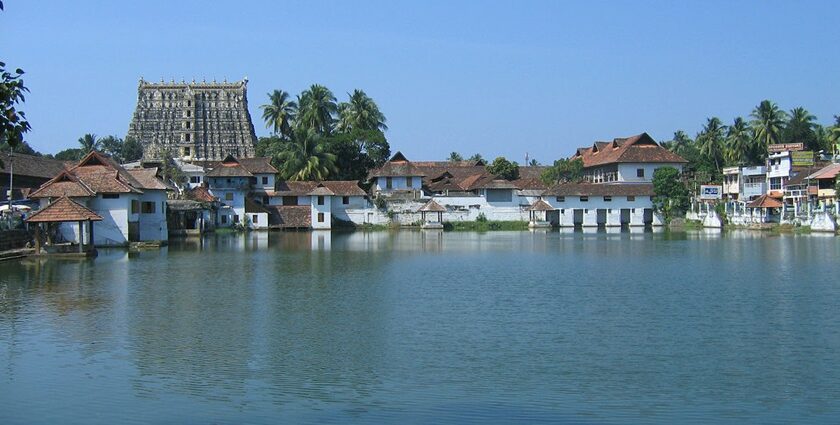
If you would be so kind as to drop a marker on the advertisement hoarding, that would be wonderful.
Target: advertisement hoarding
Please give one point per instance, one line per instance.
(709, 191)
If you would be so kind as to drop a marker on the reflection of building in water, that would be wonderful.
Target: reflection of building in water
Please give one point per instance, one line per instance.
(321, 240)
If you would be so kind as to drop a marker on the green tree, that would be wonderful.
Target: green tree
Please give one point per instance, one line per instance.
(476, 157)
(504, 169)
(89, 142)
(563, 170)
(13, 123)
(360, 113)
(833, 135)
(306, 158)
(533, 163)
(738, 142)
(72, 154)
(169, 169)
(711, 141)
(23, 148)
(279, 113)
(357, 152)
(671, 197)
(317, 109)
(800, 128)
(768, 123)
(113, 146)
(455, 157)
(132, 150)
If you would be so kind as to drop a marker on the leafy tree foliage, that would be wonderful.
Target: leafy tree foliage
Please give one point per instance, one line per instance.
(801, 128)
(13, 123)
(670, 194)
(360, 113)
(132, 150)
(768, 123)
(89, 142)
(72, 154)
(563, 170)
(476, 157)
(280, 113)
(306, 157)
(504, 169)
(455, 157)
(356, 152)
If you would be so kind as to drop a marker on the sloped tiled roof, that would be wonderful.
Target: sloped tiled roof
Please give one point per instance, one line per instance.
(397, 166)
(540, 205)
(828, 172)
(253, 207)
(344, 187)
(148, 179)
(293, 188)
(321, 191)
(31, 166)
(290, 216)
(765, 201)
(201, 193)
(258, 165)
(95, 173)
(64, 184)
(600, 189)
(62, 210)
(432, 206)
(640, 148)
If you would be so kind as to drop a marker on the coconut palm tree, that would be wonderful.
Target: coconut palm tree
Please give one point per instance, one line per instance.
(279, 113)
(738, 142)
(305, 157)
(455, 157)
(768, 123)
(317, 109)
(680, 143)
(711, 139)
(89, 142)
(800, 128)
(360, 113)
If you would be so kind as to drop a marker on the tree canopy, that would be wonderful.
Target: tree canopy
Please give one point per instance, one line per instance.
(670, 194)
(563, 171)
(504, 169)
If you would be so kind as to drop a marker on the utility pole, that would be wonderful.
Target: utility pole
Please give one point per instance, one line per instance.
(11, 180)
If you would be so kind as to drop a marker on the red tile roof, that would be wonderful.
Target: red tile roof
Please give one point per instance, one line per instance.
(30, 165)
(432, 206)
(62, 210)
(290, 216)
(148, 178)
(201, 193)
(64, 184)
(764, 201)
(540, 205)
(640, 148)
(829, 172)
(397, 166)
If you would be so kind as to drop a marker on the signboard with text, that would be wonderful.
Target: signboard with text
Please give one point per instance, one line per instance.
(709, 191)
(802, 159)
(783, 147)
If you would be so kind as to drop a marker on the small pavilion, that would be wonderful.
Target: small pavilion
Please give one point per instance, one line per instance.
(65, 210)
(535, 219)
(762, 208)
(432, 207)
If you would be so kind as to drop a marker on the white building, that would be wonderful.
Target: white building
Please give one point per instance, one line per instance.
(319, 205)
(397, 178)
(234, 180)
(132, 203)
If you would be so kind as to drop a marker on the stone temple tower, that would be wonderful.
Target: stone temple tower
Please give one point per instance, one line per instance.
(194, 121)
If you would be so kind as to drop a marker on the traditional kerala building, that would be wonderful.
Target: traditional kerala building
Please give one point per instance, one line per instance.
(193, 121)
(131, 203)
(235, 180)
(27, 172)
(604, 205)
(397, 178)
(318, 205)
(626, 160)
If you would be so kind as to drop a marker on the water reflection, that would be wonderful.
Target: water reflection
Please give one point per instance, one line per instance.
(622, 326)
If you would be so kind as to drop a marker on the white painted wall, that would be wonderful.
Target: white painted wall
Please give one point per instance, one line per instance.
(153, 226)
(259, 185)
(398, 183)
(591, 207)
(627, 172)
(325, 209)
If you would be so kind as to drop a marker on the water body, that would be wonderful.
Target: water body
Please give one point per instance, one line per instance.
(417, 327)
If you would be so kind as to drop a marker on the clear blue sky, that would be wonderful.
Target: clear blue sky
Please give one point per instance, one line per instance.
(499, 78)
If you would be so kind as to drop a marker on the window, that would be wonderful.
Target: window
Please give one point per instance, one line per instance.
(254, 219)
(640, 172)
(147, 208)
(189, 103)
(265, 180)
(409, 182)
(584, 199)
(389, 183)
(189, 113)
(320, 217)
(345, 200)
(229, 196)
(290, 200)
(135, 206)
(608, 199)
(186, 151)
(188, 124)
(265, 200)
(561, 199)
(236, 218)
(187, 137)
(631, 198)
(224, 219)
(195, 179)
(110, 196)
(320, 200)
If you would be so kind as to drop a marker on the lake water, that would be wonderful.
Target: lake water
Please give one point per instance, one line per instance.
(418, 327)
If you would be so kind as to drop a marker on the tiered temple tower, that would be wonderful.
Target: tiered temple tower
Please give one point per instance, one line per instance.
(195, 121)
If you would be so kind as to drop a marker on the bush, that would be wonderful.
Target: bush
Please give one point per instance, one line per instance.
(481, 218)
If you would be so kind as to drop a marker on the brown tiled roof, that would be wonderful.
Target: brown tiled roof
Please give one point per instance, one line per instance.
(397, 166)
(253, 207)
(148, 179)
(290, 216)
(62, 210)
(640, 148)
(293, 188)
(258, 165)
(432, 206)
(764, 201)
(201, 193)
(344, 187)
(540, 205)
(30, 165)
(229, 170)
(64, 184)
(600, 189)
(321, 191)
(828, 172)
(529, 184)
(95, 162)
(532, 172)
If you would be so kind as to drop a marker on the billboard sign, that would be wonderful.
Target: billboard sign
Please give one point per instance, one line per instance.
(783, 147)
(802, 159)
(710, 191)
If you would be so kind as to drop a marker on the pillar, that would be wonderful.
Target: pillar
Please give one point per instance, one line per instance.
(81, 236)
(90, 234)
